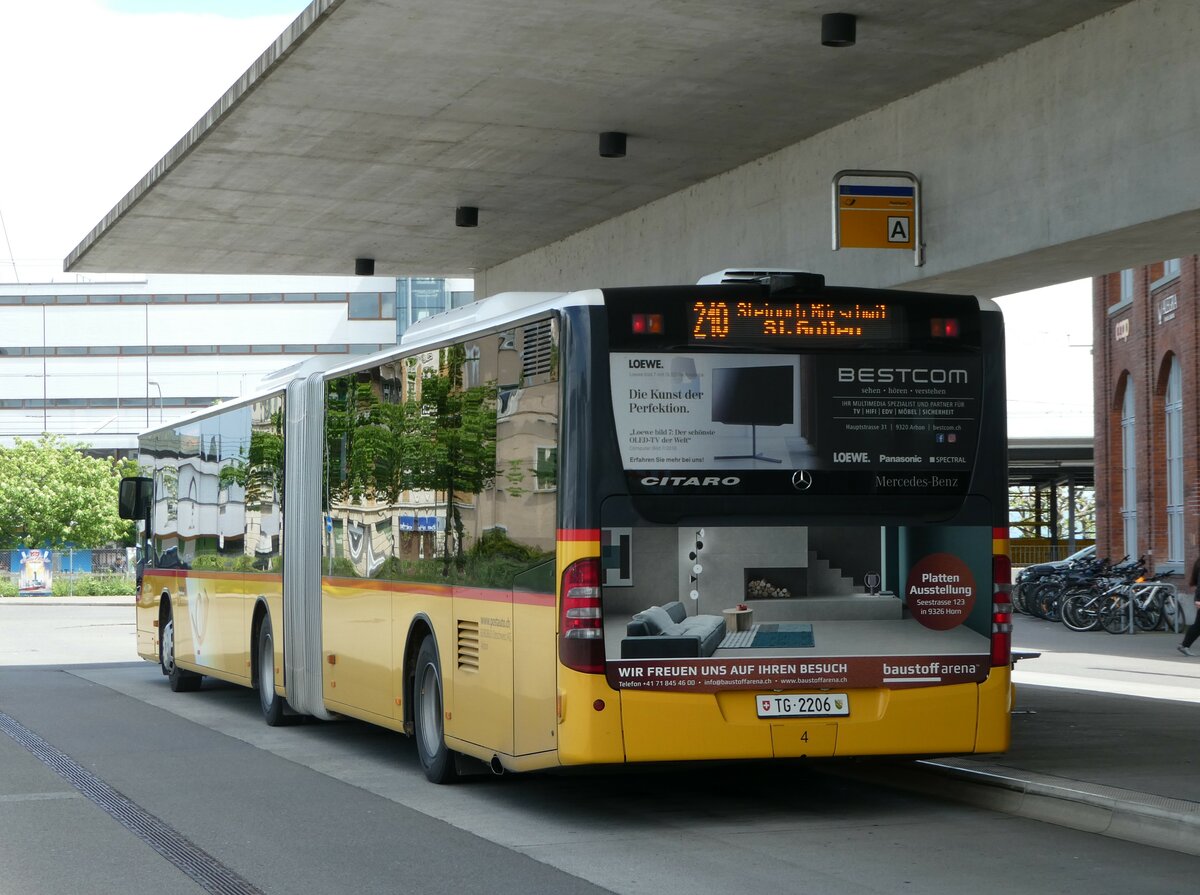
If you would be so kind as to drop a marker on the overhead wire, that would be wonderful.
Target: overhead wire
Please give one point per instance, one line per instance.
(8, 245)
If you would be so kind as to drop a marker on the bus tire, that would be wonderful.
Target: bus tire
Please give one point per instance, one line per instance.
(437, 761)
(181, 681)
(272, 703)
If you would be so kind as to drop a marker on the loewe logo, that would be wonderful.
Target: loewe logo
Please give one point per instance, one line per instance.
(641, 364)
(851, 457)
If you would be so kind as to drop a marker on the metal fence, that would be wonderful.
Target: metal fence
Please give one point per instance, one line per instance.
(1027, 554)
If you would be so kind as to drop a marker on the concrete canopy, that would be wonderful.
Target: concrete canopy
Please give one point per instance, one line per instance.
(366, 123)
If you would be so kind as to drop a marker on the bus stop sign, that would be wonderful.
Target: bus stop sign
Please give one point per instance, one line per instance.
(877, 210)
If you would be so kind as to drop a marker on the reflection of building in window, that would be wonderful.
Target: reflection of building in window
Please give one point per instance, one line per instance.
(545, 467)
(217, 483)
(471, 367)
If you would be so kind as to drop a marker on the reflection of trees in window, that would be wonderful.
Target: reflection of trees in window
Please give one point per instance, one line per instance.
(441, 436)
(259, 469)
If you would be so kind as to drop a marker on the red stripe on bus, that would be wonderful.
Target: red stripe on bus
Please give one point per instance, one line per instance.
(462, 592)
(579, 534)
(408, 587)
(534, 599)
(491, 595)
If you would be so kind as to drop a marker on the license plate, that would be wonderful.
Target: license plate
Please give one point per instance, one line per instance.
(772, 706)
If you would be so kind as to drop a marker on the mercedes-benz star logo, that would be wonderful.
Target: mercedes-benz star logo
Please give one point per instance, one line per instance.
(801, 480)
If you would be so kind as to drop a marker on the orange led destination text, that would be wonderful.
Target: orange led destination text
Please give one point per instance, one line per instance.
(713, 319)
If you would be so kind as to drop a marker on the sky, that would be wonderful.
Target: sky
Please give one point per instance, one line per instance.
(1048, 341)
(98, 91)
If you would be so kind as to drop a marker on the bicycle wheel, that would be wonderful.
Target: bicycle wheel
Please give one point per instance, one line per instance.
(1172, 614)
(1018, 599)
(1114, 615)
(1048, 602)
(1147, 616)
(1078, 612)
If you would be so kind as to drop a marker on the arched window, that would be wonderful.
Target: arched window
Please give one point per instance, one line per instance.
(1174, 439)
(1129, 471)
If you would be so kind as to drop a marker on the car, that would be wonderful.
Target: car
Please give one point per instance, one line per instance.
(1045, 568)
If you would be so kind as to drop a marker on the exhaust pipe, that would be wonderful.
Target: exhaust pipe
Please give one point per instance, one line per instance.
(497, 768)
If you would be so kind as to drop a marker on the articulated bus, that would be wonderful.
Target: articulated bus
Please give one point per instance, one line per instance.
(757, 517)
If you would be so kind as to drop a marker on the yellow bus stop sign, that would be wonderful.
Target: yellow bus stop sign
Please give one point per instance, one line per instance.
(877, 215)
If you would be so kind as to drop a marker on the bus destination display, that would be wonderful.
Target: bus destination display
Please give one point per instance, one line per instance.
(750, 321)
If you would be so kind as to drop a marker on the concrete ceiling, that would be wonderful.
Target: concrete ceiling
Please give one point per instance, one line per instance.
(365, 125)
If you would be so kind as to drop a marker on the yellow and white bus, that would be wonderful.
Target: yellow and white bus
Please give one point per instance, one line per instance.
(758, 517)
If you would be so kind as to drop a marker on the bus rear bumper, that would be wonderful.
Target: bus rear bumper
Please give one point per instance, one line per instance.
(952, 719)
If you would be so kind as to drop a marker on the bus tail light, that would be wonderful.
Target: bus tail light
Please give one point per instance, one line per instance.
(1001, 611)
(647, 324)
(944, 327)
(581, 623)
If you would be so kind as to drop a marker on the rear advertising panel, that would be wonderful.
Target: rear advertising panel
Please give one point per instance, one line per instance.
(776, 531)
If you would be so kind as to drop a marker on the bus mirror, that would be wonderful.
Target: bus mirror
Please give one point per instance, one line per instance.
(134, 499)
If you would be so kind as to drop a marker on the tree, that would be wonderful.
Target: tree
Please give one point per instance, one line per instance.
(1023, 512)
(51, 493)
(459, 427)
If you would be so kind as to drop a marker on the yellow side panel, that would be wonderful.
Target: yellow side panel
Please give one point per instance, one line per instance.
(147, 616)
(209, 617)
(536, 654)
(216, 610)
(479, 655)
(357, 647)
(995, 711)
(589, 724)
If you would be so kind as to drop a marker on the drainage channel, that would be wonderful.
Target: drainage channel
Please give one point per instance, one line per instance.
(207, 871)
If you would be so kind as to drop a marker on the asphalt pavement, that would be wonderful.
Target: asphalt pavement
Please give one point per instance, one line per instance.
(1106, 737)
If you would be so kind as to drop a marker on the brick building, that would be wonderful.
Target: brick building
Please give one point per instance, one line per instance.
(1147, 407)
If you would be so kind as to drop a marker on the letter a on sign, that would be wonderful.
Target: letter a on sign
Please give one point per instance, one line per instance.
(898, 229)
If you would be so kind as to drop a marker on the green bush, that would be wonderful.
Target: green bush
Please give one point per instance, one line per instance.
(340, 568)
(8, 587)
(92, 585)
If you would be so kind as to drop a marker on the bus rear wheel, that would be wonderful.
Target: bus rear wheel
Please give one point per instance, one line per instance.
(181, 681)
(436, 759)
(271, 702)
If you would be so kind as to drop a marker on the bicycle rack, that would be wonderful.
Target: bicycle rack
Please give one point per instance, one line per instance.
(1146, 589)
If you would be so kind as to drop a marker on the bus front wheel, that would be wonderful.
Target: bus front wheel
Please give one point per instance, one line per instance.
(436, 760)
(181, 681)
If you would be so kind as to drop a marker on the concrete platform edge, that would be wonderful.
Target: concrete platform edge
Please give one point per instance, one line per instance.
(1157, 821)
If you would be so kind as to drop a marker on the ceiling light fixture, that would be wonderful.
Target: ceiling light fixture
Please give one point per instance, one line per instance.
(612, 144)
(466, 216)
(838, 29)
(364, 267)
